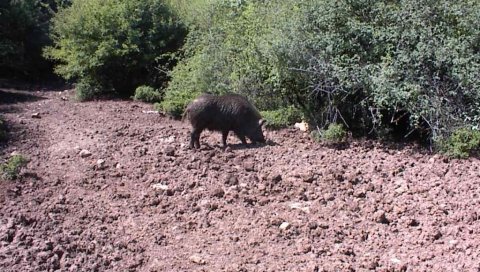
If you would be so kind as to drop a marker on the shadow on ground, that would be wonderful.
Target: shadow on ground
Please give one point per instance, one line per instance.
(12, 97)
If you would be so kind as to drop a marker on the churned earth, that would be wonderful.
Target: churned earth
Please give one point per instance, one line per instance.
(112, 186)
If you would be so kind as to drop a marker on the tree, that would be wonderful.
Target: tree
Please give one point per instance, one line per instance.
(113, 45)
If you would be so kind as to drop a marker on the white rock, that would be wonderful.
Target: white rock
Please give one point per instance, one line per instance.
(85, 153)
(101, 164)
(197, 259)
(284, 226)
(303, 126)
(159, 186)
(395, 260)
(300, 206)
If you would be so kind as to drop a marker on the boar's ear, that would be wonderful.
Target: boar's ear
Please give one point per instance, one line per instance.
(261, 122)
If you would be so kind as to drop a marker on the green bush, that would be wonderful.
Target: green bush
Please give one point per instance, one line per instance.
(87, 90)
(230, 48)
(371, 62)
(23, 33)
(334, 134)
(174, 103)
(10, 169)
(118, 44)
(367, 64)
(461, 143)
(282, 117)
(147, 94)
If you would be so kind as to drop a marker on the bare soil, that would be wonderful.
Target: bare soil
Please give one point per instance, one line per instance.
(140, 200)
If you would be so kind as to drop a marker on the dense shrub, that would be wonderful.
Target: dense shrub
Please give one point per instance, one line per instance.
(373, 62)
(117, 44)
(230, 48)
(10, 169)
(23, 33)
(147, 94)
(282, 117)
(87, 89)
(334, 134)
(174, 103)
(461, 143)
(377, 66)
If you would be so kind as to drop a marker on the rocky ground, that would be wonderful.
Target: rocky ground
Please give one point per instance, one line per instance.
(111, 186)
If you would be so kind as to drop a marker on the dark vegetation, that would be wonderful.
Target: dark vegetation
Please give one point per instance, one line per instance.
(395, 70)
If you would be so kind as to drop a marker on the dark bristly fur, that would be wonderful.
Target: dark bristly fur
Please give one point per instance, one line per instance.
(225, 113)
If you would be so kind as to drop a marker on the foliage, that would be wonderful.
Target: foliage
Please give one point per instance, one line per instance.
(147, 94)
(230, 48)
(461, 143)
(335, 133)
(117, 44)
(23, 33)
(10, 169)
(369, 62)
(174, 103)
(88, 90)
(282, 117)
(376, 66)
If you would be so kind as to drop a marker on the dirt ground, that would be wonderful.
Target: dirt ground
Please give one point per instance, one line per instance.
(111, 186)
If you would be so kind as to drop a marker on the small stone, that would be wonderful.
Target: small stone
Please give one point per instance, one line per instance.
(169, 151)
(300, 206)
(249, 166)
(231, 180)
(85, 153)
(304, 248)
(161, 187)
(43, 256)
(284, 226)
(59, 250)
(100, 164)
(303, 126)
(395, 260)
(308, 177)
(413, 223)
(36, 115)
(437, 235)
(275, 178)
(329, 197)
(197, 259)
(312, 225)
(218, 193)
(381, 218)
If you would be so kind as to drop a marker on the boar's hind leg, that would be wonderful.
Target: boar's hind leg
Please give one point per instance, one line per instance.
(195, 139)
(224, 138)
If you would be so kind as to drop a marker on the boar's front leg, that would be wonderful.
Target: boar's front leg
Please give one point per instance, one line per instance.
(224, 137)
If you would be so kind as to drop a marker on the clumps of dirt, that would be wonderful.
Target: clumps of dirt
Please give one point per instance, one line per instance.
(142, 201)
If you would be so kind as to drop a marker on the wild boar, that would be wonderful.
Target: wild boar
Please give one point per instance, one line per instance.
(224, 113)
